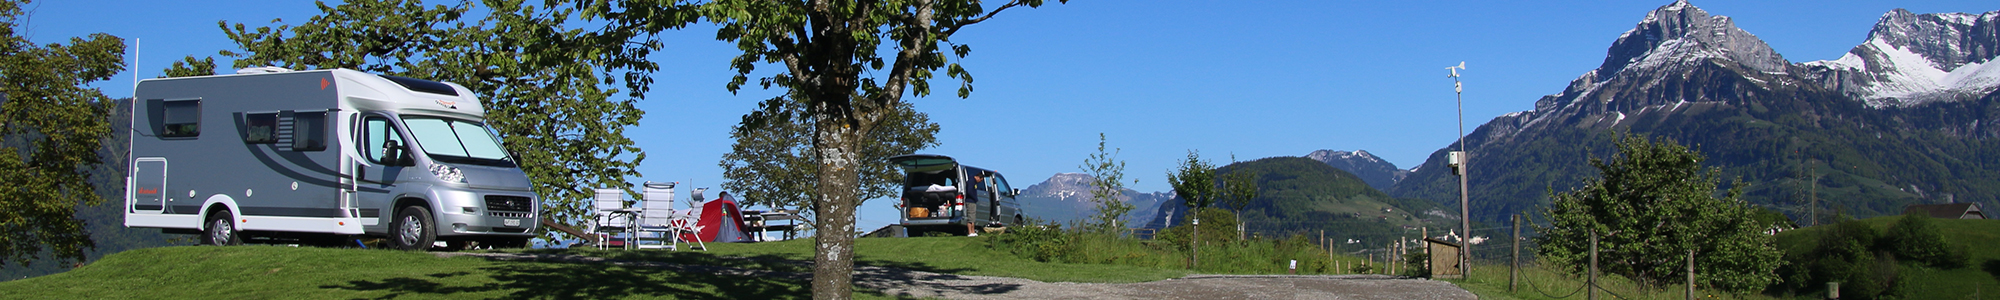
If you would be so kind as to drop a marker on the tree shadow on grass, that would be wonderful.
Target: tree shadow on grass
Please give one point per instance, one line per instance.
(887, 274)
(675, 275)
(518, 280)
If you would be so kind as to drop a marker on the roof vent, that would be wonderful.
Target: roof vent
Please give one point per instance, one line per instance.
(422, 86)
(262, 70)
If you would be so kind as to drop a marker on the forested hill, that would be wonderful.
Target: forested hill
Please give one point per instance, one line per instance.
(1862, 135)
(105, 222)
(1298, 195)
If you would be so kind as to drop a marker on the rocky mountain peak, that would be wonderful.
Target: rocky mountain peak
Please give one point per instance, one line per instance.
(1682, 33)
(1063, 186)
(1356, 155)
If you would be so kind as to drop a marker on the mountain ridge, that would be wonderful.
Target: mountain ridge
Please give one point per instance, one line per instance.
(1377, 172)
(1789, 130)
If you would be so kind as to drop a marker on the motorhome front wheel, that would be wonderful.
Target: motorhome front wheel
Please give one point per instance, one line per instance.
(414, 229)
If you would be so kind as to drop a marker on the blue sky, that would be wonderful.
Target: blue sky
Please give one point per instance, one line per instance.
(1250, 78)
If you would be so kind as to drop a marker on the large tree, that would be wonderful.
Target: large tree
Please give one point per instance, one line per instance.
(847, 64)
(551, 90)
(774, 165)
(1654, 204)
(51, 125)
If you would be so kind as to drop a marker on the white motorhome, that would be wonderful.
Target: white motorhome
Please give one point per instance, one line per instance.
(270, 153)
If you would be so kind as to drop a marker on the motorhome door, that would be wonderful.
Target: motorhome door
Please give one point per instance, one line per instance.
(149, 185)
(385, 156)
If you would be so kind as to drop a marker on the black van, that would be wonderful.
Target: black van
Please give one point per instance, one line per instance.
(937, 191)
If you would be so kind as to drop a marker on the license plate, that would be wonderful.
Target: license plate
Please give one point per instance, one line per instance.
(512, 222)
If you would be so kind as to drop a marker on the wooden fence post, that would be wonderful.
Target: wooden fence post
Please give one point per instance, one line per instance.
(1514, 271)
(1690, 290)
(1591, 283)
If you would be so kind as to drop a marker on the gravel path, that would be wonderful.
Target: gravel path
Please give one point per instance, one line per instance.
(903, 282)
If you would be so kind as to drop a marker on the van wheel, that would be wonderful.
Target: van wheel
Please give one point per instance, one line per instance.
(221, 230)
(1018, 220)
(413, 229)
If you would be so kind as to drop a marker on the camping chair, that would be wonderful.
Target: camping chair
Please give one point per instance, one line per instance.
(658, 216)
(612, 217)
(690, 224)
(690, 221)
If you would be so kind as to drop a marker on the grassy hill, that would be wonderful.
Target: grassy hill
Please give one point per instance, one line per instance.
(264, 272)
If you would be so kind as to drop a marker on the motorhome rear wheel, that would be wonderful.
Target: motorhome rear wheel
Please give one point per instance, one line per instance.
(222, 230)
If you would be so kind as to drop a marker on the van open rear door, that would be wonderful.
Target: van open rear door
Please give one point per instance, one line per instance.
(930, 188)
(925, 163)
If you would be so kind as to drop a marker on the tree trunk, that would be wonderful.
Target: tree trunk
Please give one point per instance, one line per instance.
(833, 263)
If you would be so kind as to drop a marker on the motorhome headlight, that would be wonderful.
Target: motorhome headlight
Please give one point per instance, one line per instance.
(447, 173)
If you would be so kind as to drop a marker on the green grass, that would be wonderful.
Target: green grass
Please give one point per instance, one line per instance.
(1981, 236)
(273, 272)
(1490, 282)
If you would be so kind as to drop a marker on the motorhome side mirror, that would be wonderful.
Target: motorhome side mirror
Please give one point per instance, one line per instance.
(1016, 192)
(393, 153)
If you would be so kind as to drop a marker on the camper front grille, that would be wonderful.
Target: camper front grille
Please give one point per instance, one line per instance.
(505, 214)
(509, 203)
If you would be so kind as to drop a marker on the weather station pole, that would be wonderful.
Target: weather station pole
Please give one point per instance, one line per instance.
(1464, 209)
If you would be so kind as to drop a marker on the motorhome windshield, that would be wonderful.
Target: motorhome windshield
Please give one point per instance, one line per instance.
(457, 141)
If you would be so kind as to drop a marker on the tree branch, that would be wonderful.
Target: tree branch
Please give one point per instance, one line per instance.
(989, 15)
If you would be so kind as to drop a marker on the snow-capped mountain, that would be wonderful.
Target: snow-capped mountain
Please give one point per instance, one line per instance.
(1912, 59)
(1066, 197)
(1676, 41)
(1903, 118)
(1378, 173)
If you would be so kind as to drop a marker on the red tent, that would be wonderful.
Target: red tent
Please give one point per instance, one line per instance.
(720, 222)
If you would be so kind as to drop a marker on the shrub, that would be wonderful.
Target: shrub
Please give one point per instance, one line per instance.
(1036, 240)
(1843, 254)
(1418, 264)
(1916, 238)
(1217, 226)
(1992, 267)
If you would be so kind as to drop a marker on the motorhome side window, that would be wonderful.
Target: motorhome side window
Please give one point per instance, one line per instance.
(182, 119)
(309, 131)
(378, 132)
(260, 128)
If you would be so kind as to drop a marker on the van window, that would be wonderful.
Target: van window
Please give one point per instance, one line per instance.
(376, 132)
(261, 128)
(309, 131)
(183, 118)
(457, 141)
(1000, 184)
